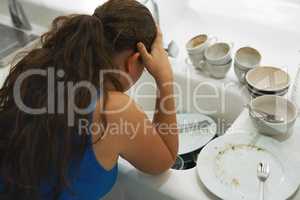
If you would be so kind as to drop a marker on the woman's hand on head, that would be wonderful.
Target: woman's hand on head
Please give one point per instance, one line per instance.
(157, 61)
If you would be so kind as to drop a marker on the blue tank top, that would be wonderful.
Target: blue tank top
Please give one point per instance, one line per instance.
(91, 181)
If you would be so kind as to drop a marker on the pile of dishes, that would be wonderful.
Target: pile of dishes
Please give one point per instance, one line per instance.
(267, 80)
(205, 53)
(215, 58)
(229, 165)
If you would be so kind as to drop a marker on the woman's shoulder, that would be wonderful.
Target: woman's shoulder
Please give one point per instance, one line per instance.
(120, 113)
(120, 97)
(118, 101)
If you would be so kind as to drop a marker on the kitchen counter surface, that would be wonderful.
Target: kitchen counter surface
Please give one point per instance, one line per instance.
(186, 184)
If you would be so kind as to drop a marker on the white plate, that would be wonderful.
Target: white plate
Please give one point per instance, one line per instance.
(227, 166)
(192, 140)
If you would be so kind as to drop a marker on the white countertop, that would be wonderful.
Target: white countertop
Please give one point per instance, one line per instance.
(187, 185)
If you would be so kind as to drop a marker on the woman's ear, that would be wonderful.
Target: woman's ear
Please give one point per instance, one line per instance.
(134, 67)
(133, 63)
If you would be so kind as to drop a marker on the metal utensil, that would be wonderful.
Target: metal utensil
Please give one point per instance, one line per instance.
(272, 118)
(18, 15)
(263, 172)
(194, 126)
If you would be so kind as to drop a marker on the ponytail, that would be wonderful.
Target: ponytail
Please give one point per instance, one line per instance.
(38, 149)
(32, 146)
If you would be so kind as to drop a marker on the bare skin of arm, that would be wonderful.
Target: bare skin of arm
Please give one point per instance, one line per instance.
(165, 115)
(150, 146)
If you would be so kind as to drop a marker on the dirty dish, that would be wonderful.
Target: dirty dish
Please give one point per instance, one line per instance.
(278, 106)
(195, 131)
(267, 80)
(227, 167)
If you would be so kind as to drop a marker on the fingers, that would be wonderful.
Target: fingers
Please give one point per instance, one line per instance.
(143, 51)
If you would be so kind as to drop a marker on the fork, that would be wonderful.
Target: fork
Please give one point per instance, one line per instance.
(264, 115)
(263, 172)
(194, 126)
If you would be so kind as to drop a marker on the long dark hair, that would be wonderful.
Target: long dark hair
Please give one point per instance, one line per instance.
(38, 149)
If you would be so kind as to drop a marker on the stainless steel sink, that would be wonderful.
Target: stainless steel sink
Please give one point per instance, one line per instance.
(12, 39)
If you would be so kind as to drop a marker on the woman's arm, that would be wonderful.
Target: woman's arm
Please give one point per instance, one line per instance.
(138, 140)
(149, 146)
(158, 65)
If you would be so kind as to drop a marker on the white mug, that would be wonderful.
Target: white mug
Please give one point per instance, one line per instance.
(195, 48)
(246, 58)
(218, 71)
(218, 59)
(218, 53)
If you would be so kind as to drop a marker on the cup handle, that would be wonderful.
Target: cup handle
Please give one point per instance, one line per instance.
(231, 44)
(202, 64)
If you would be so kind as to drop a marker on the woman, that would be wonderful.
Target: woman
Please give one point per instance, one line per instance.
(50, 154)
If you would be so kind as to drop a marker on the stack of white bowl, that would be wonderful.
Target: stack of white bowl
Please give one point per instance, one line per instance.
(218, 59)
(266, 80)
